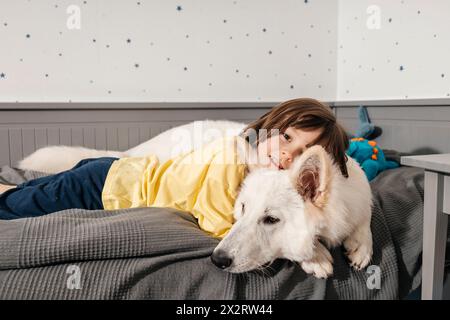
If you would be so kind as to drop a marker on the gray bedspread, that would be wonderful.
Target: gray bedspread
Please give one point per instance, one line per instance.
(154, 253)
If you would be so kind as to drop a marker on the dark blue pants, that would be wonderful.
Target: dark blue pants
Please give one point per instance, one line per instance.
(80, 187)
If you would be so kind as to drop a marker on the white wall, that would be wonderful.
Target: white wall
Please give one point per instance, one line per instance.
(224, 60)
(414, 35)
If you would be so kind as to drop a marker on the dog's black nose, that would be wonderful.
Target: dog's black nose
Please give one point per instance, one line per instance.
(221, 259)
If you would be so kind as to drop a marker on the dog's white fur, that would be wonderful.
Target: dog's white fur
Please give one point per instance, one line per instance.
(340, 211)
(54, 159)
(317, 207)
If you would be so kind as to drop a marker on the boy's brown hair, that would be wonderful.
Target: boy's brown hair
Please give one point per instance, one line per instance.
(306, 114)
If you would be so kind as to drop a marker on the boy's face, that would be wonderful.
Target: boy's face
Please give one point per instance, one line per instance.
(279, 151)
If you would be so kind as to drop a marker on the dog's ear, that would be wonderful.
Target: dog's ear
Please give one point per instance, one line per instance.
(311, 174)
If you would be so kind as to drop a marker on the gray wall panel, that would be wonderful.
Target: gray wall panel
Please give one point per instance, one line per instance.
(100, 138)
(405, 128)
(144, 134)
(28, 144)
(413, 129)
(65, 137)
(52, 136)
(89, 137)
(123, 138)
(4, 147)
(40, 137)
(15, 144)
(133, 136)
(22, 130)
(111, 138)
(77, 136)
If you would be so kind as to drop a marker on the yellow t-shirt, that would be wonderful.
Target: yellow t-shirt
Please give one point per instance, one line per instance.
(203, 182)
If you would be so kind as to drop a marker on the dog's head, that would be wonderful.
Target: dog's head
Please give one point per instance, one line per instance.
(277, 213)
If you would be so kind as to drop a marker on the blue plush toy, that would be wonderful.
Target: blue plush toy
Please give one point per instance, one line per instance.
(366, 128)
(369, 156)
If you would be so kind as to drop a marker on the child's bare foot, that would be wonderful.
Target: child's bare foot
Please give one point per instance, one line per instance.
(5, 187)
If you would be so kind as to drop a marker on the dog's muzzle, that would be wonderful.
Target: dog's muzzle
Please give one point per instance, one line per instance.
(221, 259)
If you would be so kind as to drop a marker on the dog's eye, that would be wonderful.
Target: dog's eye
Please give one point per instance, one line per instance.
(270, 220)
(243, 208)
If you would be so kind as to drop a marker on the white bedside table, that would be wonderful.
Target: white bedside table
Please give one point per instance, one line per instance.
(435, 219)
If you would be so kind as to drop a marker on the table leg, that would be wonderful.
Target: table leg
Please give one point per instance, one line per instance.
(434, 237)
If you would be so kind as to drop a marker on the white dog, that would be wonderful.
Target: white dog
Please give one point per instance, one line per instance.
(168, 144)
(297, 213)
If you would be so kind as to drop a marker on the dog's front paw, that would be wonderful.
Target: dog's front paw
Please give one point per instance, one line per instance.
(321, 270)
(358, 254)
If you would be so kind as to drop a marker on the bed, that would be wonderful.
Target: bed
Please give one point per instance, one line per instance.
(155, 253)
(152, 253)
